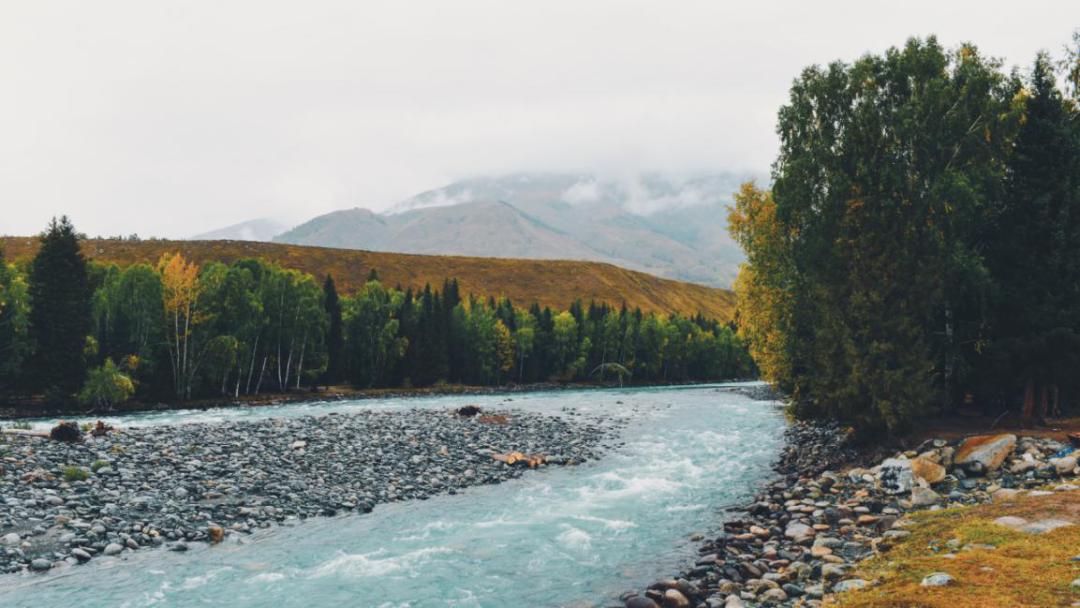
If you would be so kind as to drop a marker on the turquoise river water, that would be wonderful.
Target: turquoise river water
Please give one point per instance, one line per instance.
(561, 536)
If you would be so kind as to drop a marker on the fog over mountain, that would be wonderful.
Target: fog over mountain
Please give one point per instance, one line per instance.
(262, 229)
(672, 227)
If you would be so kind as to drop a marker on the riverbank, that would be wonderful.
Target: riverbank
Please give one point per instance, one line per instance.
(170, 485)
(17, 409)
(824, 532)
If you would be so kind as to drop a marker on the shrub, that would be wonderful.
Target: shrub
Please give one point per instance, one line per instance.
(106, 386)
(66, 431)
(73, 473)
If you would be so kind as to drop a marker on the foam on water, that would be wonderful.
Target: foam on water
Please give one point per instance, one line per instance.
(560, 536)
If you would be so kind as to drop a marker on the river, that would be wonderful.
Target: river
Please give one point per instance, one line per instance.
(561, 536)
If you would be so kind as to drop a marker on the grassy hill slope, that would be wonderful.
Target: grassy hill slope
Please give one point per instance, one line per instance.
(553, 283)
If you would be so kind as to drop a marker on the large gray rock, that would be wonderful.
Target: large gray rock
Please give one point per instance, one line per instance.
(850, 585)
(924, 497)
(895, 476)
(799, 532)
(937, 579)
(1064, 465)
(40, 564)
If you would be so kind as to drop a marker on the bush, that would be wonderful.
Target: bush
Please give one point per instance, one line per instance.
(66, 431)
(74, 473)
(106, 386)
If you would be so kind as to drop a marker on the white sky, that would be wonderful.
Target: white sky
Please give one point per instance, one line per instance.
(171, 118)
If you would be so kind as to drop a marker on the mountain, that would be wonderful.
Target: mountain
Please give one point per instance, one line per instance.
(554, 283)
(252, 230)
(675, 228)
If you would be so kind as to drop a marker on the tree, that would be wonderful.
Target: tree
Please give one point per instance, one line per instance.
(127, 316)
(106, 386)
(181, 294)
(1036, 257)
(335, 336)
(524, 338)
(566, 349)
(60, 312)
(15, 345)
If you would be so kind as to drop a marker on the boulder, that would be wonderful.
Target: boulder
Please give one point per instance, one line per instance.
(641, 602)
(985, 452)
(40, 564)
(673, 598)
(850, 585)
(896, 476)
(1064, 465)
(927, 470)
(937, 579)
(924, 497)
(799, 532)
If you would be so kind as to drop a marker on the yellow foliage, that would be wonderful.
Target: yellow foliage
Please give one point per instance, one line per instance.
(548, 282)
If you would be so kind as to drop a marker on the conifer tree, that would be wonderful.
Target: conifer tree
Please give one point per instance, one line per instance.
(60, 315)
(335, 333)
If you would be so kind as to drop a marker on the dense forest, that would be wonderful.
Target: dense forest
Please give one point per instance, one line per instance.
(919, 249)
(174, 331)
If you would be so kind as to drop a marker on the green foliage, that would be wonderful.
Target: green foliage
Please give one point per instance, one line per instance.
(74, 473)
(179, 330)
(922, 239)
(97, 465)
(60, 313)
(106, 386)
(15, 344)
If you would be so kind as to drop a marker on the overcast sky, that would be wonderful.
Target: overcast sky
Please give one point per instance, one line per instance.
(172, 118)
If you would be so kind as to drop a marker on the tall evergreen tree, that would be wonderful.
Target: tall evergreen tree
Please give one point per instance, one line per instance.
(1036, 254)
(60, 315)
(335, 333)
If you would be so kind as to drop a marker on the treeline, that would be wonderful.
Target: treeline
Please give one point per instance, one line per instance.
(920, 246)
(178, 331)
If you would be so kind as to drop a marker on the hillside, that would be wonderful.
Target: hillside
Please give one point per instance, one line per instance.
(663, 226)
(550, 282)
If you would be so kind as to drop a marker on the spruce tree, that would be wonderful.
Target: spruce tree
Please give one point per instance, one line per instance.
(60, 317)
(335, 334)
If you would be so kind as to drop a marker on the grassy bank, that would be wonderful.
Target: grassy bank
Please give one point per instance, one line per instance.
(992, 565)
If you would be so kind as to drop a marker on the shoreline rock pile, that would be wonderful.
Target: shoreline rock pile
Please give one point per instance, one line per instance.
(803, 535)
(65, 503)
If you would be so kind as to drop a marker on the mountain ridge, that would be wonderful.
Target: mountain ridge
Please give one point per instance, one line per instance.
(674, 229)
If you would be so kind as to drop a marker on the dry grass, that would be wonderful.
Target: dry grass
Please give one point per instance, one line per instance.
(1024, 570)
(554, 283)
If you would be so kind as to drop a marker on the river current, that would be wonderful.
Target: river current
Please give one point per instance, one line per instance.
(560, 536)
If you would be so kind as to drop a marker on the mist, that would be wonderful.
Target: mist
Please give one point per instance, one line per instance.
(172, 118)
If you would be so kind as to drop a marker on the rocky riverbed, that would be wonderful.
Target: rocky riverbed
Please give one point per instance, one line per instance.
(803, 536)
(64, 503)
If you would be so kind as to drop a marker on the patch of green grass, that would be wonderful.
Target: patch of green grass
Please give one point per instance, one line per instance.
(73, 473)
(97, 465)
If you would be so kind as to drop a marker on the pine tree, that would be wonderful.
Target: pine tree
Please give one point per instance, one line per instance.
(60, 314)
(335, 333)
